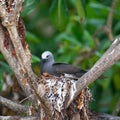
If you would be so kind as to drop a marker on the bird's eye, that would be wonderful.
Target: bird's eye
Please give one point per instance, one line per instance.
(47, 56)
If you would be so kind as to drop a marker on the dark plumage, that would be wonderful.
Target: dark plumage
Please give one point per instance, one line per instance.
(48, 65)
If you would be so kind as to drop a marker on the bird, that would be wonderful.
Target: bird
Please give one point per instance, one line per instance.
(48, 65)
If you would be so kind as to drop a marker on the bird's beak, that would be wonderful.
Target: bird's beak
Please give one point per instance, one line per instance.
(43, 60)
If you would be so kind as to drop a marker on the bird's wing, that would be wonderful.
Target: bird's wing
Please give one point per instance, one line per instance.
(67, 68)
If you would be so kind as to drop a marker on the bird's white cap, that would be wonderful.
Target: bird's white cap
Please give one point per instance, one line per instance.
(45, 54)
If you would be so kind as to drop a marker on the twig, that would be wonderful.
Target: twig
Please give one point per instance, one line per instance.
(106, 61)
(13, 106)
(26, 98)
(108, 27)
(110, 16)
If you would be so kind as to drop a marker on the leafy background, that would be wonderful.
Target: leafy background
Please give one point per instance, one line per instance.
(67, 28)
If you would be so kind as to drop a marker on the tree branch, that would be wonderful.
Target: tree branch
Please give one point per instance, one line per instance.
(106, 61)
(108, 27)
(21, 61)
(14, 63)
(17, 118)
(13, 106)
(101, 116)
(110, 16)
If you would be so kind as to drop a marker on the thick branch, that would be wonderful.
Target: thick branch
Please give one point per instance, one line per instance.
(106, 61)
(21, 62)
(17, 118)
(101, 116)
(13, 62)
(13, 106)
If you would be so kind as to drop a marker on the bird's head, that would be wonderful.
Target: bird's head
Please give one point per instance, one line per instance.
(47, 56)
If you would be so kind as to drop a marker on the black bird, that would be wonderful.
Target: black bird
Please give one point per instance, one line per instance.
(48, 65)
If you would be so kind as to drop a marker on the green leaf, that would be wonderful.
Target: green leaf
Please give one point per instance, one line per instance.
(99, 6)
(80, 10)
(35, 59)
(115, 99)
(32, 38)
(4, 67)
(1, 82)
(59, 14)
(29, 6)
(117, 81)
(89, 38)
(69, 38)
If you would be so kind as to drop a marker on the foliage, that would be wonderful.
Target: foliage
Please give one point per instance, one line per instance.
(68, 36)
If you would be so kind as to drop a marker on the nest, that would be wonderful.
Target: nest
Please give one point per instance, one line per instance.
(56, 89)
